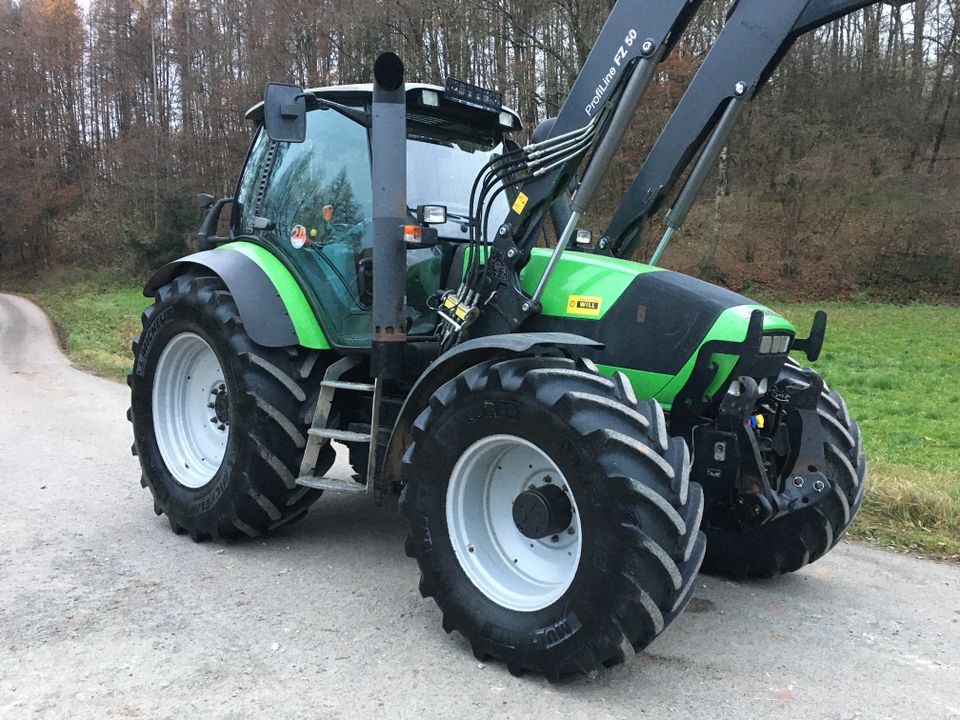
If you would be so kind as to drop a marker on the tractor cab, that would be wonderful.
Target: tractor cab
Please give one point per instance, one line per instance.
(312, 202)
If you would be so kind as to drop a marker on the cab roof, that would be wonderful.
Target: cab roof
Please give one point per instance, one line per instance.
(509, 119)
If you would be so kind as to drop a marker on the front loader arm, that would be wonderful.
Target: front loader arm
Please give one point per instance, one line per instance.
(634, 30)
(636, 37)
(755, 38)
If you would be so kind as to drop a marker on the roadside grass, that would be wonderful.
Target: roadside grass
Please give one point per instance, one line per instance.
(911, 509)
(898, 367)
(97, 316)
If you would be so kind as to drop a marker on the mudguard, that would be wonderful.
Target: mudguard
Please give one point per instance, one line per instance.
(455, 361)
(273, 308)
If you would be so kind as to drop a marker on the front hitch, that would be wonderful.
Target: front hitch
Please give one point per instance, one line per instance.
(731, 458)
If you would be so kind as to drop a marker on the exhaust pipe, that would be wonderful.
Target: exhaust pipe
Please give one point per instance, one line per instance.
(389, 175)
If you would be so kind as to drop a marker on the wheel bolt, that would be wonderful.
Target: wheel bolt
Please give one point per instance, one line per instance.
(818, 486)
(470, 548)
(547, 479)
(555, 538)
(798, 481)
(571, 531)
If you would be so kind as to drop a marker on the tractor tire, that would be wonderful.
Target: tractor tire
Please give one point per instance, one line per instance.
(219, 422)
(792, 541)
(503, 435)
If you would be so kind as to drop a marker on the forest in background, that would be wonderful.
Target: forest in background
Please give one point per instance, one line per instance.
(842, 180)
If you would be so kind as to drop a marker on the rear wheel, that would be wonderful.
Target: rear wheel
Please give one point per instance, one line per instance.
(219, 422)
(792, 541)
(552, 518)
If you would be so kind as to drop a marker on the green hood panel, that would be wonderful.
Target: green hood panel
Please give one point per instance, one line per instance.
(613, 300)
(580, 282)
(731, 325)
(309, 332)
(652, 321)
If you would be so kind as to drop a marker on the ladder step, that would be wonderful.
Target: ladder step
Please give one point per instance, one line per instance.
(341, 435)
(346, 385)
(331, 484)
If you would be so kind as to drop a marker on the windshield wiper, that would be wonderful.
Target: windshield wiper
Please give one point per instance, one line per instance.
(358, 116)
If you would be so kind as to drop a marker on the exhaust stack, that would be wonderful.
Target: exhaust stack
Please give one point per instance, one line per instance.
(389, 174)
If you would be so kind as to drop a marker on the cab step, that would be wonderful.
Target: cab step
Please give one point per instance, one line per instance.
(341, 435)
(320, 434)
(346, 385)
(331, 484)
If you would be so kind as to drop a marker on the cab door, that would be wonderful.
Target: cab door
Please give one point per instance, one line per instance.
(311, 202)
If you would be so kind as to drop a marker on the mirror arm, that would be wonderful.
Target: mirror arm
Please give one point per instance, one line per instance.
(206, 236)
(358, 116)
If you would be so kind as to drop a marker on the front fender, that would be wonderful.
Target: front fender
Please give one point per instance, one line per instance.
(273, 308)
(458, 359)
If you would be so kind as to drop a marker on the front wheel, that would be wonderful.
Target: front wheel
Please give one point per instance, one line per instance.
(552, 518)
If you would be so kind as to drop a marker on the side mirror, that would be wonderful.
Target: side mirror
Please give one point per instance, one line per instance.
(431, 214)
(285, 113)
(205, 200)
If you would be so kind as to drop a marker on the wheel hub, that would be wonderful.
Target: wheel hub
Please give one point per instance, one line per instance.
(542, 511)
(220, 404)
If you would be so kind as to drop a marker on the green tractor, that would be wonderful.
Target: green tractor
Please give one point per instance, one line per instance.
(572, 434)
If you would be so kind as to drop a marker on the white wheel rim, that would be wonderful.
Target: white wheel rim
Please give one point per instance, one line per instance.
(190, 427)
(511, 569)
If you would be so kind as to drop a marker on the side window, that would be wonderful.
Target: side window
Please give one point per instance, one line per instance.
(318, 198)
(329, 170)
(243, 209)
(443, 173)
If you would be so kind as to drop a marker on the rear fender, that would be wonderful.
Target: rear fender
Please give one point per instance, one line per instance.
(271, 304)
(455, 361)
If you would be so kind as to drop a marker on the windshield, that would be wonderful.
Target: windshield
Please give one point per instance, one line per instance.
(443, 174)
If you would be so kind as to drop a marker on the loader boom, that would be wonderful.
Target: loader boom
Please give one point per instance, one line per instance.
(636, 31)
(755, 38)
(635, 39)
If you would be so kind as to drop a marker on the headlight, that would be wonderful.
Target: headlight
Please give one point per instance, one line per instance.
(774, 344)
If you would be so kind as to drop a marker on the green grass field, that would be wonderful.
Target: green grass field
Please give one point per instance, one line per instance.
(897, 367)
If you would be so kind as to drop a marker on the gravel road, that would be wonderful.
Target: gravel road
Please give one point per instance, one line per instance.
(105, 613)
